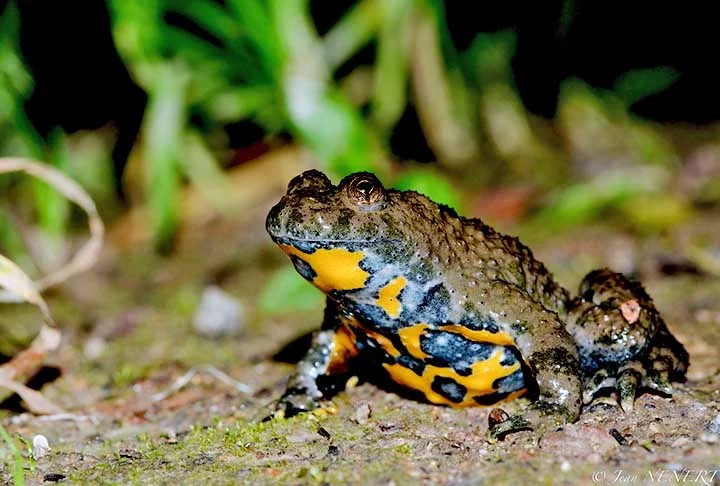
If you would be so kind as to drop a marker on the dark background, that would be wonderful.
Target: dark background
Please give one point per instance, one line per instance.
(80, 81)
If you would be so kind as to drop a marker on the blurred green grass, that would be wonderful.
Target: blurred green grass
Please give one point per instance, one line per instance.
(206, 65)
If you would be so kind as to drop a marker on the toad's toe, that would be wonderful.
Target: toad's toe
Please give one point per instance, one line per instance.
(628, 381)
(600, 380)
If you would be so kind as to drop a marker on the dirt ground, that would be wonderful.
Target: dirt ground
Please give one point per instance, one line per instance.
(128, 337)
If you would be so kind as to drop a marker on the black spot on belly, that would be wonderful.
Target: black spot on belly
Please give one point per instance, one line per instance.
(413, 364)
(370, 349)
(303, 268)
(449, 388)
(510, 356)
(449, 349)
(510, 383)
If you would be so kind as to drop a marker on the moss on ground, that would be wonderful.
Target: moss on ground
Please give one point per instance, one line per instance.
(206, 434)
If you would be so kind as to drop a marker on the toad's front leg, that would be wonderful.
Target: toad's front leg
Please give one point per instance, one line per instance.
(552, 356)
(323, 371)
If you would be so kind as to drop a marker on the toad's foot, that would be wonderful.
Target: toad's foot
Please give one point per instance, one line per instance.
(296, 401)
(664, 363)
(293, 402)
(628, 380)
(622, 340)
(321, 373)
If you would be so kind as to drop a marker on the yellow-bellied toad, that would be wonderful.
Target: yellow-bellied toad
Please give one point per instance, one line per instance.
(455, 312)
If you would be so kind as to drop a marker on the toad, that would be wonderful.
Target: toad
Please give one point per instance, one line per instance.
(455, 313)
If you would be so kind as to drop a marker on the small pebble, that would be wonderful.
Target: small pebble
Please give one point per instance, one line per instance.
(618, 436)
(363, 412)
(496, 417)
(130, 454)
(171, 437)
(94, 347)
(579, 441)
(333, 453)
(219, 314)
(40, 447)
(710, 438)
(655, 428)
(323, 433)
(713, 426)
(53, 478)
(595, 458)
(679, 442)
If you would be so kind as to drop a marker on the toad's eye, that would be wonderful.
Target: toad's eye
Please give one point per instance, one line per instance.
(365, 189)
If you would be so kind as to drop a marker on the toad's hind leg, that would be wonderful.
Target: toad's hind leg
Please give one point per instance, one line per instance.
(552, 356)
(622, 339)
(323, 370)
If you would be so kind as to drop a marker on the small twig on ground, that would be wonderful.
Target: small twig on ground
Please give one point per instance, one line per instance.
(210, 370)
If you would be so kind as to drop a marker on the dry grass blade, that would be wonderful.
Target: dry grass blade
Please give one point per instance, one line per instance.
(35, 400)
(85, 256)
(18, 287)
(26, 363)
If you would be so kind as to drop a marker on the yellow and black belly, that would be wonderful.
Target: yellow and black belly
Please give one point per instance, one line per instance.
(449, 365)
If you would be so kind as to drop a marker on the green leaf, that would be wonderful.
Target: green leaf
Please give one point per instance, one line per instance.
(14, 76)
(489, 57)
(135, 28)
(635, 85)
(287, 292)
(191, 47)
(331, 128)
(53, 209)
(353, 31)
(256, 21)
(432, 185)
(325, 121)
(210, 17)
(436, 10)
(584, 201)
(391, 69)
(18, 473)
(162, 134)
(241, 103)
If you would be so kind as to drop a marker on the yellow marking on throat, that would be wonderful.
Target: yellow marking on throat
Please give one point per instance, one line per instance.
(388, 297)
(335, 269)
